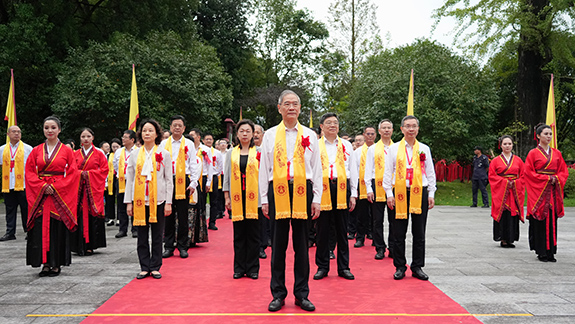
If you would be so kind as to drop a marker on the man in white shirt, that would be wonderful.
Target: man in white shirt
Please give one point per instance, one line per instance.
(376, 155)
(363, 208)
(403, 170)
(265, 228)
(279, 191)
(180, 204)
(129, 142)
(215, 192)
(204, 154)
(14, 195)
(337, 157)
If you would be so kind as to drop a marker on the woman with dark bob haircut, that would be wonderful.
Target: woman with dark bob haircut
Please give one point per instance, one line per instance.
(148, 196)
(52, 180)
(545, 177)
(242, 197)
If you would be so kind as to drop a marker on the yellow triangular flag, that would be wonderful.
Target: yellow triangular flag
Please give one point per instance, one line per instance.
(551, 120)
(11, 106)
(410, 96)
(241, 117)
(310, 119)
(134, 111)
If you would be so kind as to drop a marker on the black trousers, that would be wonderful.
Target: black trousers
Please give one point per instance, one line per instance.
(337, 218)
(399, 231)
(179, 212)
(480, 184)
(123, 215)
(352, 221)
(13, 199)
(265, 227)
(378, 211)
(280, 238)
(246, 246)
(110, 206)
(214, 198)
(151, 259)
(363, 218)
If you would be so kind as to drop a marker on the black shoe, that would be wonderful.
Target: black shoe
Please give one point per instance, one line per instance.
(310, 244)
(380, 254)
(238, 275)
(212, 227)
(305, 304)
(253, 275)
(320, 274)
(121, 234)
(142, 275)
(350, 236)
(551, 258)
(263, 255)
(134, 234)
(331, 255)
(358, 244)
(419, 274)
(399, 274)
(346, 274)
(183, 254)
(110, 222)
(276, 304)
(54, 272)
(156, 275)
(542, 258)
(510, 245)
(7, 237)
(167, 253)
(45, 271)
(369, 237)
(472, 206)
(485, 206)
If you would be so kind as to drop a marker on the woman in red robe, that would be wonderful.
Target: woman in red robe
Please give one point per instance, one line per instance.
(51, 190)
(507, 194)
(93, 166)
(545, 176)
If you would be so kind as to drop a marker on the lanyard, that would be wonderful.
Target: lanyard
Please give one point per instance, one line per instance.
(408, 159)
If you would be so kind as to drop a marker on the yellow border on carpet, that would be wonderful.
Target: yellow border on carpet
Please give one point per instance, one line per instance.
(273, 314)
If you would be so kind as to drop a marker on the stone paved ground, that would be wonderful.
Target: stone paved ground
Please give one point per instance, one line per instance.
(462, 260)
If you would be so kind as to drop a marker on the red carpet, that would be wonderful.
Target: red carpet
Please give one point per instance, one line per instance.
(200, 289)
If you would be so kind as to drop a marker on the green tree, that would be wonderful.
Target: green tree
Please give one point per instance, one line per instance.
(539, 30)
(455, 101)
(172, 77)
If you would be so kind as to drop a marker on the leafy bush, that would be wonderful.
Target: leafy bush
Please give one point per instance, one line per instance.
(569, 189)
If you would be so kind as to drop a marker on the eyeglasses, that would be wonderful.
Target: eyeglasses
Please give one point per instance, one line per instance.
(410, 127)
(288, 104)
(329, 123)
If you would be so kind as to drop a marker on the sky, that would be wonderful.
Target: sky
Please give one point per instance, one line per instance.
(404, 20)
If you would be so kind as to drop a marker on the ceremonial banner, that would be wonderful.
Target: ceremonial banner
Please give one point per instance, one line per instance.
(410, 96)
(134, 112)
(11, 106)
(551, 120)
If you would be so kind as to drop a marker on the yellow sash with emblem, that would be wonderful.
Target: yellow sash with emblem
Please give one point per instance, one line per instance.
(362, 188)
(111, 174)
(18, 168)
(251, 185)
(379, 165)
(180, 167)
(280, 177)
(341, 176)
(140, 190)
(122, 172)
(416, 194)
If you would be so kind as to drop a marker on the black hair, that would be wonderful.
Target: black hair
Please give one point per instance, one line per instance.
(366, 127)
(317, 130)
(500, 140)
(241, 123)
(89, 131)
(408, 117)
(115, 140)
(197, 131)
(70, 141)
(54, 119)
(540, 127)
(208, 134)
(157, 127)
(178, 117)
(102, 143)
(131, 133)
(326, 116)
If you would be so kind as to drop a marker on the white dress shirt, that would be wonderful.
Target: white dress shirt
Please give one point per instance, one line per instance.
(312, 160)
(191, 162)
(116, 161)
(13, 148)
(370, 165)
(428, 171)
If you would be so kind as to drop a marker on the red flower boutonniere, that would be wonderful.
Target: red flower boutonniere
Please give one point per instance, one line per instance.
(422, 156)
(259, 156)
(214, 158)
(205, 154)
(159, 159)
(186, 151)
(305, 143)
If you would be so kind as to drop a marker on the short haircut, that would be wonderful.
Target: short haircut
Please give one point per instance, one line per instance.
(262, 128)
(54, 119)
(178, 117)
(285, 93)
(208, 134)
(408, 117)
(246, 122)
(131, 133)
(366, 127)
(197, 131)
(326, 116)
(157, 127)
(384, 121)
(102, 143)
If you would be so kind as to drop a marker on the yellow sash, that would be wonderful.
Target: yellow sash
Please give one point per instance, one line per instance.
(362, 188)
(219, 175)
(341, 176)
(280, 178)
(180, 167)
(121, 172)
(401, 185)
(252, 174)
(140, 190)
(379, 165)
(18, 168)
(111, 174)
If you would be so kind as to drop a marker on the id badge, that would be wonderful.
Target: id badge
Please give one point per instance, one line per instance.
(409, 174)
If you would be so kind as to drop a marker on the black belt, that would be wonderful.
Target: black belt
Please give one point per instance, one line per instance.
(333, 181)
(409, 188)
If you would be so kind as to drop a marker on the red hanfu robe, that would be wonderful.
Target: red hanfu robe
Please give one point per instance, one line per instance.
(60, 172)
(540, 167)
(507, 186)
(93, 172)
